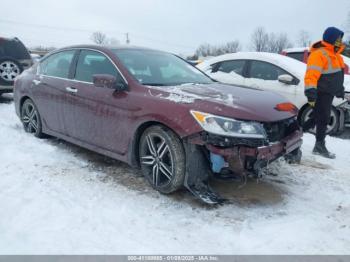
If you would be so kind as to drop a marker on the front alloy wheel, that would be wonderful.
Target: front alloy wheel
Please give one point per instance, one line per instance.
(162, 159)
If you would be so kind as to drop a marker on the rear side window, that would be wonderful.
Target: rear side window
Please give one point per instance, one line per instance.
(2, 49)
(58, 64)
(15, 49)
(91, 63)
(297, 55)
(232, 66)
(266, 71)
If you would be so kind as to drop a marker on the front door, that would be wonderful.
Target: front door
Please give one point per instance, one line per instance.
(263, 75)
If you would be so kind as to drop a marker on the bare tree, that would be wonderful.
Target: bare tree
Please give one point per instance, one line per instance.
(260, 40)
(211, 50)
(303, 38)
(99, 38)
(204, 50)
(232, 47)
(277, 43)
(272, 44)
(282, 42)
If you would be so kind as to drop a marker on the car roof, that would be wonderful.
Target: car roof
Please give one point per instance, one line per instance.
(109, 47)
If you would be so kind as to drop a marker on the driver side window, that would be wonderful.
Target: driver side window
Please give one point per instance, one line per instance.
(91, 63)
(231, 66)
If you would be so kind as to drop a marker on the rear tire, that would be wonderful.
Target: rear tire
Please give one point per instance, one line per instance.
(9, 70)
(162, 159)
(333, 125)
(31, 119)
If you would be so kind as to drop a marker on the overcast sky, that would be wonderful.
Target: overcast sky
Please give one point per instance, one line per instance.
(173, 25)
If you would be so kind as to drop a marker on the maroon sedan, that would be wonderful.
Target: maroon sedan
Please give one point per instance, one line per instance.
(154, 110)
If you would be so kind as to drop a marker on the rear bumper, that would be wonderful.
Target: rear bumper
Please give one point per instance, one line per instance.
(243, 158)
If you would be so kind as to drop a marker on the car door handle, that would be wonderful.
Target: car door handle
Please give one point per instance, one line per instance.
(36, 82)
(71, 90)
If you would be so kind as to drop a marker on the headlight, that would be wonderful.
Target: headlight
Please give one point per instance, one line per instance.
(229, 127)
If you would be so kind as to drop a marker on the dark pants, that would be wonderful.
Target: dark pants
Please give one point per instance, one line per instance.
(322, 114)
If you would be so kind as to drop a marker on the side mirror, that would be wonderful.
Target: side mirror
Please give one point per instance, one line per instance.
(108, 81)
(286, 79)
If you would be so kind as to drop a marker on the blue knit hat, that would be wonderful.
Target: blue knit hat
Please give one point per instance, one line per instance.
(331, 35)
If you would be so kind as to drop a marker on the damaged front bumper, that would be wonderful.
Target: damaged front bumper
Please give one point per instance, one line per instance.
(243, 157)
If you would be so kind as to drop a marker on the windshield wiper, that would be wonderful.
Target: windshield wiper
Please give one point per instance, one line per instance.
(196, 83)
(154, 84)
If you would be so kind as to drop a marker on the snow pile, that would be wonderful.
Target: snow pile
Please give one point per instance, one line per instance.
(180, 98)
(229, 78)
(188, 93)
(59, 199)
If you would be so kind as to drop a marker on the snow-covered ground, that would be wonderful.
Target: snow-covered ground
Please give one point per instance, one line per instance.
(56, 198)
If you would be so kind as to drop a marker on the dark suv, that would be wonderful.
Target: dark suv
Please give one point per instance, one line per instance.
(14, 58)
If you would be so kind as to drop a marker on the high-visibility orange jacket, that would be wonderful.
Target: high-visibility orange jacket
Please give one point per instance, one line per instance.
(325, 70)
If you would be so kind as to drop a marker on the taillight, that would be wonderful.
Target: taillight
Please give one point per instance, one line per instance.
(346, 69)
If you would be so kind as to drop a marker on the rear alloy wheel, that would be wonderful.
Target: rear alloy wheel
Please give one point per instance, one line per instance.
(30, 118)
(162, 159)
(333, 124)
(9, 70)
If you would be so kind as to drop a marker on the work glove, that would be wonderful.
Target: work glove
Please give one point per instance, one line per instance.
(311, 103)
(311, 95)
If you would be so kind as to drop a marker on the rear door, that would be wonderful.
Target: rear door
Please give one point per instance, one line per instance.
(230, 72)
(100, 115)
(49, 88)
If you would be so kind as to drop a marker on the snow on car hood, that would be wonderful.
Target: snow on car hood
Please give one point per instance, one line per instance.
(226, 100)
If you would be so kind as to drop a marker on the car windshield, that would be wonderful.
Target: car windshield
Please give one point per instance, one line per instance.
(159, 68)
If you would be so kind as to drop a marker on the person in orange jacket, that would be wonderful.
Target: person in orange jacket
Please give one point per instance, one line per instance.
(324, 80)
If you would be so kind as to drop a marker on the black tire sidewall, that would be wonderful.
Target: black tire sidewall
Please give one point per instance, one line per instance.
(10, 83)
(178, 153)
(334, 131)
(38, 132)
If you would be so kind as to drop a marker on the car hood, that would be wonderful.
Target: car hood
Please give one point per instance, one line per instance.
(226, 100)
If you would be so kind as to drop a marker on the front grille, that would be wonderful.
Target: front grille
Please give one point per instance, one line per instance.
(278, 130)
(222, 141)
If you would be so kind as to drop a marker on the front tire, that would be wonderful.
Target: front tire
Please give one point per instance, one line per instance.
(30, 118)
(333, 125)
(162, 159)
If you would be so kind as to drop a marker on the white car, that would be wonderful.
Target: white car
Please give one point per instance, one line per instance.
(276, 73)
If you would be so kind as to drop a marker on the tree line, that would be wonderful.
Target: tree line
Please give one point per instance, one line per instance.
(261, 41)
